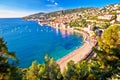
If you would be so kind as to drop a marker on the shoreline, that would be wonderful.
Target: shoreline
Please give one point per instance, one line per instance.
(78, 54)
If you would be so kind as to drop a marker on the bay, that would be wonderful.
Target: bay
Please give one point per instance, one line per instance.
(31, 41)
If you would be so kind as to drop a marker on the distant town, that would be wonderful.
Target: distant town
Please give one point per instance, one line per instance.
(89, 19)
(93, 16)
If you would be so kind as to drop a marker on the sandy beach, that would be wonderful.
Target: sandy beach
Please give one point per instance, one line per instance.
(78, 54)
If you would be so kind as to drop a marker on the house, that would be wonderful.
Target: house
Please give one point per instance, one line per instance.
(106, 17)
(118, 11)
(118, 17)
(90, 27)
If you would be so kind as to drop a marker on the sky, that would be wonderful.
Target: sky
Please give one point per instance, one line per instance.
(20, 8)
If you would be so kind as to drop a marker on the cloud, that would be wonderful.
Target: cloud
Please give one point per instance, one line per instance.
(52, 5)
(56, 3)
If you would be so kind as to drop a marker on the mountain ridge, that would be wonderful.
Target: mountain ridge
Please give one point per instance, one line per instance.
(86, 11)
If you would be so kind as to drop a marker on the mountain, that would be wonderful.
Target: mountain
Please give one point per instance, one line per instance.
(87, 13)
(59, 13)
(34, 16)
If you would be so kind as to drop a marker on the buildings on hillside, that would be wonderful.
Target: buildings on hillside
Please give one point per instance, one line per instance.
(106, 17)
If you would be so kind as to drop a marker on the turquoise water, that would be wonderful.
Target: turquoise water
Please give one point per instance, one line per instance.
(31, 41)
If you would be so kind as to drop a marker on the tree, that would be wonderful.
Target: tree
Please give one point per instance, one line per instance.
(7, 70)
(32, 73)
(81, 71)
(108, 52)
(52, 69)
(48, 71)
(110, 39)
(106, 25)
(69, 72)
(78, 23)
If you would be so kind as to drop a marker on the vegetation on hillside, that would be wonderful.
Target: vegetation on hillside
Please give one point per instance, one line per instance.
(78, 23)
(58, 13)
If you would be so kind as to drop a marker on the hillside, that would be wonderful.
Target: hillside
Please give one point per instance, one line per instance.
(60, 13)
(86, 12)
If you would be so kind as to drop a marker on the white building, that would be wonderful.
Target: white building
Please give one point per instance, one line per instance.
(118, 11)
(118, 17)
(106, 17)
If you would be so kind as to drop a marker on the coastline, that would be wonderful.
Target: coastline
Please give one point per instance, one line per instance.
(78, 54)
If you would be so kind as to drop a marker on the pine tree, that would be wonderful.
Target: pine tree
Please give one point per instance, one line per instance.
(7, 70)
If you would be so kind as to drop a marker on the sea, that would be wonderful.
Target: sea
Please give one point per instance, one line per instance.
(31, 42)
